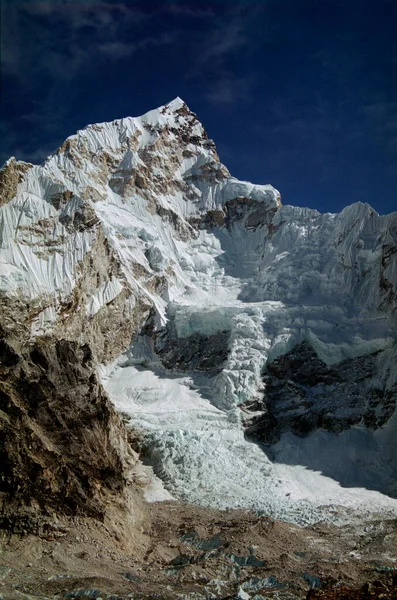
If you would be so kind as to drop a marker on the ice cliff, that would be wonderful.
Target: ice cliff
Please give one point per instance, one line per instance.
(211, 309)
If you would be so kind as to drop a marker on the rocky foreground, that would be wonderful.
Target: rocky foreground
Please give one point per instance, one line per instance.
(189, 552)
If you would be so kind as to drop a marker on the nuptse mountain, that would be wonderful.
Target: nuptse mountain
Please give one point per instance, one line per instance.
(134, 266)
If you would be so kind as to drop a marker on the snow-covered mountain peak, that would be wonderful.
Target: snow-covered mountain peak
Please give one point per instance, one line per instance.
(135, 133)
(137, 182)
(168, 144)
(135, 231)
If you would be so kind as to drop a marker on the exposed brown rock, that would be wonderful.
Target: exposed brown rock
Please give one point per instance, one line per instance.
(252, 213)
(63, 448)
(376, 590)
(111, 329)
(61, 198)
(10, 176)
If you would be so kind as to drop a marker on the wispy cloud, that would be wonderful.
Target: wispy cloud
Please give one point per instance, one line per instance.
(48, 45)
(226, 38)
(228, 90)
(194, 11)
(124, 49)
(87, 27)
(229, 34)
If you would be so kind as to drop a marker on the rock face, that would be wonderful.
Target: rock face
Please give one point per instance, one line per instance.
(302, 394)
(133, 237)
(195, 353)
(63, 448)
(11, 175)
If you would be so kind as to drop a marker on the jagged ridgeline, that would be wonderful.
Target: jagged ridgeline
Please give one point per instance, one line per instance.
(234, 313)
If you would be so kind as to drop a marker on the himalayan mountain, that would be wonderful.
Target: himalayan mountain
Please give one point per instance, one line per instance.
(174, 337)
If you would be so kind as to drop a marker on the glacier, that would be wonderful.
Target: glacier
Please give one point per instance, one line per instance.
(188, 284)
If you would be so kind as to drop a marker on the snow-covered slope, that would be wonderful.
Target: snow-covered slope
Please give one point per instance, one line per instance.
(135, 232)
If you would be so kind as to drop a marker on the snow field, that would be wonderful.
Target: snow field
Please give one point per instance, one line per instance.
(200, 454)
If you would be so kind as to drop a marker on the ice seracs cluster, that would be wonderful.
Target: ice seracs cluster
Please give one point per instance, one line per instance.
(189, 284)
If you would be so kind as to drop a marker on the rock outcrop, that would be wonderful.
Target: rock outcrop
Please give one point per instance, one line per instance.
(64, 450)
(302, 394)
(11, 174)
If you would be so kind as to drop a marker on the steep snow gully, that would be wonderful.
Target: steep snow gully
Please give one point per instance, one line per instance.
(262, 368)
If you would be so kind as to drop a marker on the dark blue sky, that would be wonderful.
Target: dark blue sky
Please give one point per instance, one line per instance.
(301, 94)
